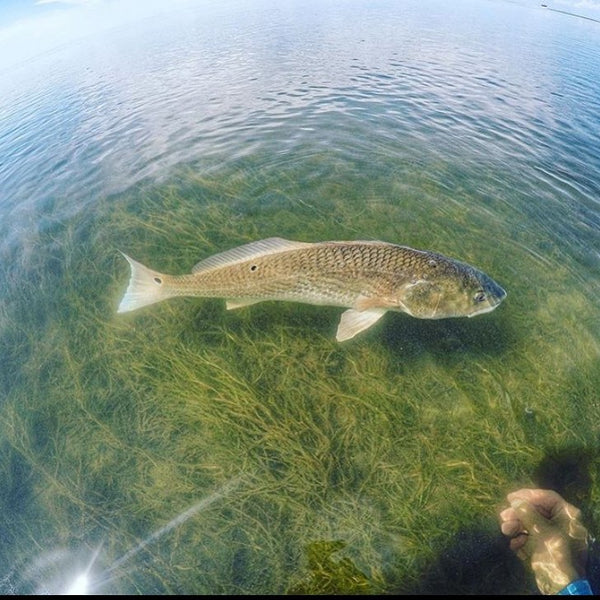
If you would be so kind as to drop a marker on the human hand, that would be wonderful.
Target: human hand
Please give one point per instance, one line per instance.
(547, 531)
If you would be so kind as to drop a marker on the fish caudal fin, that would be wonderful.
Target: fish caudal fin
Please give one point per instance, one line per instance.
(145, 287)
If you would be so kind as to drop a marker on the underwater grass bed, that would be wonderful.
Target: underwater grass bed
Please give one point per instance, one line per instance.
(362, 467)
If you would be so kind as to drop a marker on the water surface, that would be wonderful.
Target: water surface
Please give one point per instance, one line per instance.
(186, 449)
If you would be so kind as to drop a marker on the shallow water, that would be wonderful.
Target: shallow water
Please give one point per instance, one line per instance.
(186, 449)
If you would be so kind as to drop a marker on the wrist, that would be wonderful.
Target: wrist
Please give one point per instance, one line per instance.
(579, 587)
(555, 580)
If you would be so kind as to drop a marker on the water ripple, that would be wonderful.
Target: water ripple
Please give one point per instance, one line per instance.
(452, 94)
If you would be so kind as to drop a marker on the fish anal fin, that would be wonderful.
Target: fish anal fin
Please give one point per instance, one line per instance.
(233, 303)
(354, 321)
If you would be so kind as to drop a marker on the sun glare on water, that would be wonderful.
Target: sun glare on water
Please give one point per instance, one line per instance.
(79, 587)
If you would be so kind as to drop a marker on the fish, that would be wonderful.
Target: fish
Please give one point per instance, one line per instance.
(368, 278)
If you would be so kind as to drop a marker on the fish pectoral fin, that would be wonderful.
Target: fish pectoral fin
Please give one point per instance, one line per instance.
(233, 303)
(364, 303)
(354, 321)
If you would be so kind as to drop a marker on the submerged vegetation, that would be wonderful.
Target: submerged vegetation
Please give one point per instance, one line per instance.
(373, 466)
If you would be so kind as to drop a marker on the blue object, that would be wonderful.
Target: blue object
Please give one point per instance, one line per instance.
(580, 587)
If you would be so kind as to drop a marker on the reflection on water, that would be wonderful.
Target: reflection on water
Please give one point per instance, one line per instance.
(59, 571)
(172, 524)
(100, 115)
(470, 131)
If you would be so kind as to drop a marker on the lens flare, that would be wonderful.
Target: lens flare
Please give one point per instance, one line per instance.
(79, 587)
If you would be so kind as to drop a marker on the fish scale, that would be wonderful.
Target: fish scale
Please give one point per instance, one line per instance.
(367, 277)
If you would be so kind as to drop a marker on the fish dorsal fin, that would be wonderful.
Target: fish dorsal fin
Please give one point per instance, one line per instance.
(247, 252)
(354, 321)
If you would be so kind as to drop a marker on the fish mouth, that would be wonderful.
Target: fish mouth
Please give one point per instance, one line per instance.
(485, 309)
(498, 294)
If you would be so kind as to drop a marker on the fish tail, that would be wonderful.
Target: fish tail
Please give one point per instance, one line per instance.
(145, 287)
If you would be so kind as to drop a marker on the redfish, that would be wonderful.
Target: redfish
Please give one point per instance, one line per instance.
(368, 278)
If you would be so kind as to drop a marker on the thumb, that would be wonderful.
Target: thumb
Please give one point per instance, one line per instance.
(568, 517)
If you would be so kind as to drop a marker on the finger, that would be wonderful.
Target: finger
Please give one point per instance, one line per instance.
(508, 514)
(548, 502)
(529, 516)
(512, 527)
(517, 543)
(532, 495)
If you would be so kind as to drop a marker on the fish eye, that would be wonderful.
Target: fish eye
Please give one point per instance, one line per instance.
(158, 281)
(480, 296)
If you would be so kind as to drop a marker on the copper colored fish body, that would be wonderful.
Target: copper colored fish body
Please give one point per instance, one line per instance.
(367, 277)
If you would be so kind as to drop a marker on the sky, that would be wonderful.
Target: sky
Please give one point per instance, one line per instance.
(29, 28)
(12, 11)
